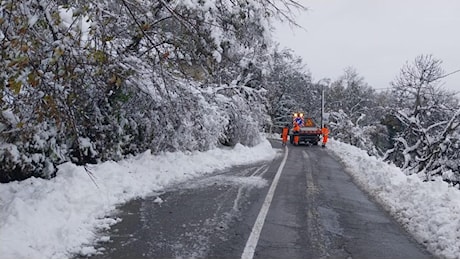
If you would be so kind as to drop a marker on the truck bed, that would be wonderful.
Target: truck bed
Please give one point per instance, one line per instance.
(306, 135)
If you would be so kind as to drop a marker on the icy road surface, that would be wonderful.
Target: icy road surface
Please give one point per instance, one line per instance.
(316, 212)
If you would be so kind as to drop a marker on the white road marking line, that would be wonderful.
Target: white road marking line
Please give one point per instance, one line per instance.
(249, 249)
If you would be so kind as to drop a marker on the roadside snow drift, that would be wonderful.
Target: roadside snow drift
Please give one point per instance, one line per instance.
(59, 217)
(430, 211)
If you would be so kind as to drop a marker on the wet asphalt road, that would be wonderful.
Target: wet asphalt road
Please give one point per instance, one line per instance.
(316, 212)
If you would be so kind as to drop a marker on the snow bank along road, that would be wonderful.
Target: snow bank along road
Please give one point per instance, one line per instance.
(315, 212)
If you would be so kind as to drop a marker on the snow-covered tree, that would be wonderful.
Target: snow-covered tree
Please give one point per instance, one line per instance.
(354, 112)
(427, 119)
(287, 81)
(86, 81)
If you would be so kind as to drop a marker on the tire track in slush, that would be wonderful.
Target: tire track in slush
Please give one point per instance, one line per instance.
(236, 204)
(316, 231)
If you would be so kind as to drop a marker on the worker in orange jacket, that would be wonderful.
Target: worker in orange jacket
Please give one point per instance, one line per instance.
(325, 133)
(284, 134)
(296, 131)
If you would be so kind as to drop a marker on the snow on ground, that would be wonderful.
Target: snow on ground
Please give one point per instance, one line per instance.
(430, 211)
(55, 218)
(58, 217)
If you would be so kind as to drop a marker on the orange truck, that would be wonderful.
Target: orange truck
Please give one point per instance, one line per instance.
(309, 132)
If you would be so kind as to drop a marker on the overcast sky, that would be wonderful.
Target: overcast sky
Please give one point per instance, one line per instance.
(376, 37)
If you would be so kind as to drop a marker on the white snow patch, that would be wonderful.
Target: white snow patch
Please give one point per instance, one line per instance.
(222, 180)
(158, 200)
(10, 117)
(32, 20)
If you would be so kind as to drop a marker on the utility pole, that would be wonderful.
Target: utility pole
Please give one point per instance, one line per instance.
(322, 106)
(326, 83)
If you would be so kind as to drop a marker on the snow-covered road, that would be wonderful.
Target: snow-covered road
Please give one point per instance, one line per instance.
(300, 205)
(60, 217)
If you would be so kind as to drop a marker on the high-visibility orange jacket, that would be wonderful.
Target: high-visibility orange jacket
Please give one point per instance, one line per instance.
(284, 135)
(325, 133)
(296, 128)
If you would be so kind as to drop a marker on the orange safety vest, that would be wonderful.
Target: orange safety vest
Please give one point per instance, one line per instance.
(284, 135)
(325, 133)
(296, 128)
